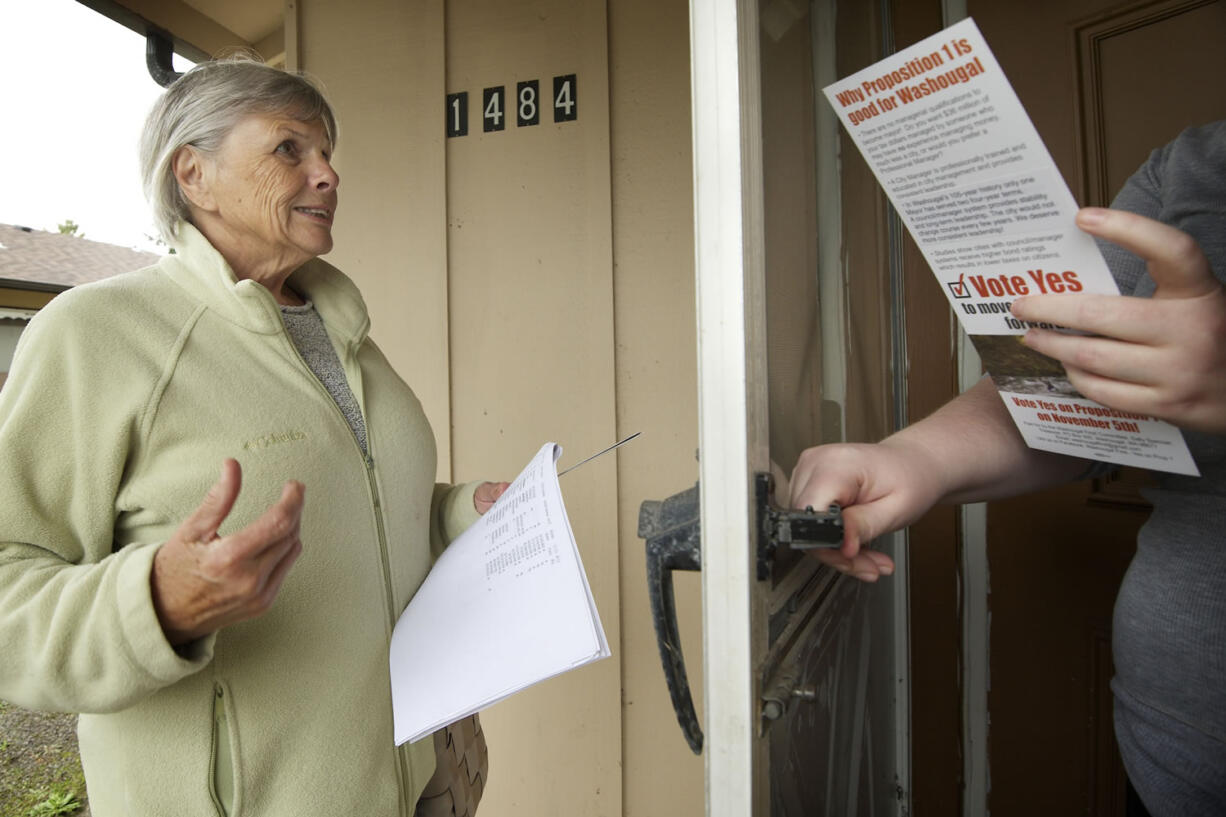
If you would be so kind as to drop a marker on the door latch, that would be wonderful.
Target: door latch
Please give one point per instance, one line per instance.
(799, 530)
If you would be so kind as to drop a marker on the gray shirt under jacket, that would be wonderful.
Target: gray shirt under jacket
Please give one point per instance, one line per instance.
(306, 330)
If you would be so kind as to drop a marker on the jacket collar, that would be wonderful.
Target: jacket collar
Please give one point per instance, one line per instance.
(203, 272)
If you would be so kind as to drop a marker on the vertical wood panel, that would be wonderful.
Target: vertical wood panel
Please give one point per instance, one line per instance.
(531, 333)
(1113, 140)
(657, 388)
(381, 63)
(486, 263)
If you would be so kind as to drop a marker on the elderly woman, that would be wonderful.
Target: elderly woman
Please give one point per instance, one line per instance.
(229, 655)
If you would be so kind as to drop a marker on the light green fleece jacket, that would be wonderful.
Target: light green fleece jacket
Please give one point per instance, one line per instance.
(123, 399)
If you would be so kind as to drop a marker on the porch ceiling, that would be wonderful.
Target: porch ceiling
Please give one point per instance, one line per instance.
(253, 20)
(204, 28)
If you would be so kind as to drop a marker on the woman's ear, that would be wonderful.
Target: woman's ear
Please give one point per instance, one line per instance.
(189, 167)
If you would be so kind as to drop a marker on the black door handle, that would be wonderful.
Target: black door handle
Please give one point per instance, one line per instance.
(673, 533)
(674, 542)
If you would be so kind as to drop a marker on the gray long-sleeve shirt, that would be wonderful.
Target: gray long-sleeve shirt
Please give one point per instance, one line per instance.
(1169, 633)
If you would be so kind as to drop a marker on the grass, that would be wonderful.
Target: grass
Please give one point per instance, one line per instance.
(40, 770)
(59, 802)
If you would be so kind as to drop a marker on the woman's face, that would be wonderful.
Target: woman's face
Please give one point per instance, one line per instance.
(273, 192)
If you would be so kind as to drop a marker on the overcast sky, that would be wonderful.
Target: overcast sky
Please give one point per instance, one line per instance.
(75, 95)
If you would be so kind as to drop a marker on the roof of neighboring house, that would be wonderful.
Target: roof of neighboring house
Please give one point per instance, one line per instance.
(40, 258)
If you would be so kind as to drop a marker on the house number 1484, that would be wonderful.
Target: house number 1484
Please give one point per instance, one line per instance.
(525, 106)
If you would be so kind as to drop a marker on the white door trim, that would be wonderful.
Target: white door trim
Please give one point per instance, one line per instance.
(728, 269)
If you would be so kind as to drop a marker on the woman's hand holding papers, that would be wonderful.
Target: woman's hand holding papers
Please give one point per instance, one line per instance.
(1163, 356)
(487, 494)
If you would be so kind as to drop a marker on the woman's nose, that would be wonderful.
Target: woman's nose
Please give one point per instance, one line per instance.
(326, 177)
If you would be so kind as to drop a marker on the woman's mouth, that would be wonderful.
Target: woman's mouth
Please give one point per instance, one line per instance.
(319, 213)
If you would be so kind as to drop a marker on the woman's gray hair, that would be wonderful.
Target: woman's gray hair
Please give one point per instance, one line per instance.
(201, 107)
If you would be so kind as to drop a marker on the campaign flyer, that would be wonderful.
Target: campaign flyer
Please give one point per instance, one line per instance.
(950, 143)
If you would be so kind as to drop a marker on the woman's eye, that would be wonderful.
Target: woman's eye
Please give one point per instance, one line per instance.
(287, 147)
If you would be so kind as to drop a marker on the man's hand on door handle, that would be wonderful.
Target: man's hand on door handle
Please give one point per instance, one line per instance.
(880, 488)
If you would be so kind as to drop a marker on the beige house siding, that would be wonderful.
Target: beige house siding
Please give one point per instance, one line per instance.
(657, 380)
(537, 284)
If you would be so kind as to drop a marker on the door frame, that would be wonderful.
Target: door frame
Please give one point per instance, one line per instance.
(732, 430)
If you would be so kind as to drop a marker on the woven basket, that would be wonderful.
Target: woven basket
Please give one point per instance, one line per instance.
(463, 764)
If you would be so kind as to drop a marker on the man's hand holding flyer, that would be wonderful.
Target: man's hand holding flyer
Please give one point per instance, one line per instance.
(948, 140)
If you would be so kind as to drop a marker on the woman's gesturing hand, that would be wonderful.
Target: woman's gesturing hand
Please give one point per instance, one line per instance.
(202, 582)
(1163, 356)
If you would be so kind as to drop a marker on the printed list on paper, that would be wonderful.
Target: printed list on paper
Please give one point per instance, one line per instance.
(507, 605)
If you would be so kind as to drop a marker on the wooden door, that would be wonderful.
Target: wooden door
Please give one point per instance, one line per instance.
(1100, 81)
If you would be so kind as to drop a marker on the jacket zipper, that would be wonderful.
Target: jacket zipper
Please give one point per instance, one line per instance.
(402, 766)
(401, 754)
(221, 732)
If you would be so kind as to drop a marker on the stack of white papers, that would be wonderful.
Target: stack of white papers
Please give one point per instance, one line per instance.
(507, 605)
